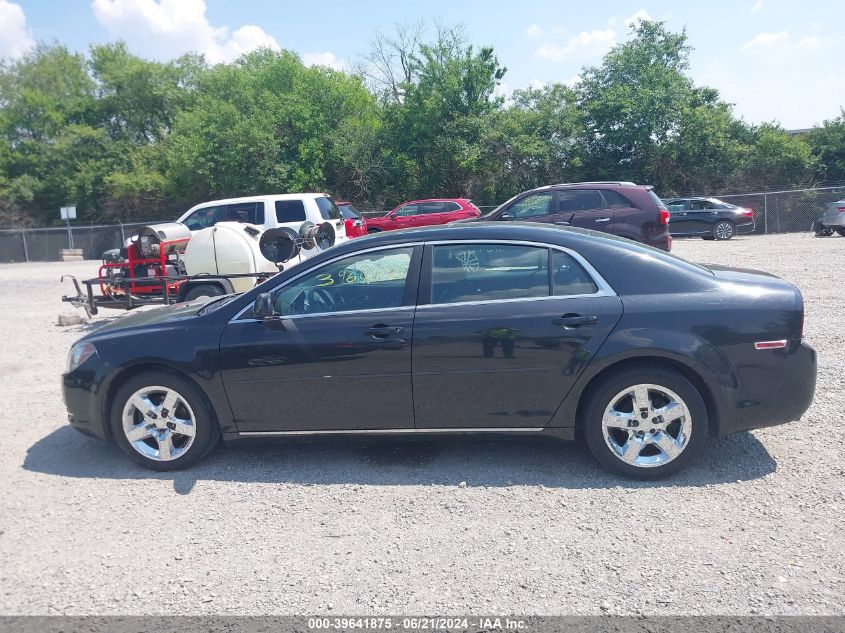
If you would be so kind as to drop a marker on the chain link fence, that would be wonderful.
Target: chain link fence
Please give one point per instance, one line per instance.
(43, 245)
(787, 211)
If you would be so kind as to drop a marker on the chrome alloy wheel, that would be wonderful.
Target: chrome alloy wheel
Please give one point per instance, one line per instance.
(646, 425)
(724, 230)
(159, 423)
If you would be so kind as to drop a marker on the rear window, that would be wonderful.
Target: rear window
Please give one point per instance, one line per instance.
(328, 210)
(578, 200)
(290, 211)
(656, 200)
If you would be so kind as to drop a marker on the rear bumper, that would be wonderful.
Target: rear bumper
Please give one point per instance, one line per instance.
(664, 243)
(746, 227)
(835, 220)
(776, 390)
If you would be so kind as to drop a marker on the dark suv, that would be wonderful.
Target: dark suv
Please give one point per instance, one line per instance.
(621, 208)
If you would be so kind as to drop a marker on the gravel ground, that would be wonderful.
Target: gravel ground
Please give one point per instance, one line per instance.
(436, 526)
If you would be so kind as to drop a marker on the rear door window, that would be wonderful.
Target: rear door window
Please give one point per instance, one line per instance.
(431, 207)
(328, 210)
(574, 200)
(569, 277)
(487, 272)
(247, 212)
(290, 211)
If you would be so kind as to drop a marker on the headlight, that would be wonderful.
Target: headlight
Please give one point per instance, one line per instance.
(78, 354)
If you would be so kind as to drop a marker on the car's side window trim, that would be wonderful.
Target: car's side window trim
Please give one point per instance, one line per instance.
(408, 295)
(423, 294)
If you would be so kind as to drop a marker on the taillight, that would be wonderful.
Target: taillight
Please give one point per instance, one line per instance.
(748, 212)
(840, 209)
(664, 216)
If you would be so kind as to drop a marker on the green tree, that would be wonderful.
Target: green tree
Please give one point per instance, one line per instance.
(827, 144)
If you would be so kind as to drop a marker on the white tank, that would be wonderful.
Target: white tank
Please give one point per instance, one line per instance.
(231, 248)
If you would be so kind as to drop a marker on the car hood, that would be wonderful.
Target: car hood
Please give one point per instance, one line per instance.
(156, 316)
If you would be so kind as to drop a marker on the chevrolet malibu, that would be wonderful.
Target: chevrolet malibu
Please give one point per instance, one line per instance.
(479, 328)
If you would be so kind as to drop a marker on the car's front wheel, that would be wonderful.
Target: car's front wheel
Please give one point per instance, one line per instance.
(163, 421)
(723, 230)
(645, 423)
(840, 230)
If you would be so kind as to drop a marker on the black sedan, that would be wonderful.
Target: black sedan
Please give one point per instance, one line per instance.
(709, 218)
(514, 328)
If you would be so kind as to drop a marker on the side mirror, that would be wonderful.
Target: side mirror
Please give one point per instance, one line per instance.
(392, 216)
(263, 306)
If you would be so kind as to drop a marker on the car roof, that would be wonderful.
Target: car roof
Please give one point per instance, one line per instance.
(261, 198)
(435, 200)
(515, 231)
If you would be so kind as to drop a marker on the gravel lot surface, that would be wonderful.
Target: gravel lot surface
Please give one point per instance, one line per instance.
(442, 526)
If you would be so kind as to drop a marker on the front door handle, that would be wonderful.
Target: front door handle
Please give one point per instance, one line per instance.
(602, 220)
(575, 320)
(381, 330)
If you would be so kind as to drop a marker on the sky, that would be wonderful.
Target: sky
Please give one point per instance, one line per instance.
(776, 60)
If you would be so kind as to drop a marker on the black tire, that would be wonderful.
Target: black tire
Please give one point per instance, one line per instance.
(709, 238)
(723, 230)
(204, 290)
(371, 231)
(840, 230)
(600, 398)
(206, 428)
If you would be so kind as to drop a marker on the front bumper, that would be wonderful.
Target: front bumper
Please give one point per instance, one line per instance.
(82, 402)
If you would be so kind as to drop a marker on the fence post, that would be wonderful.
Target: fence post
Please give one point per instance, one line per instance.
(25, 249)
(765, 213)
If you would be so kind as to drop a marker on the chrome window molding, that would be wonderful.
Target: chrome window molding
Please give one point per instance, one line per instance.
(604, 289)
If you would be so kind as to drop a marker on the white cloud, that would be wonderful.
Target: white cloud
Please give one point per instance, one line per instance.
(324, 59)
(586, 43)
(758, 6)
(15, 38)
(640, 15)
(766, 39)
(782, 41)
(168, 28)
(533, 31)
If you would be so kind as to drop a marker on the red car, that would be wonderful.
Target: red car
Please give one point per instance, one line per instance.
(424, 213)
(356, 224)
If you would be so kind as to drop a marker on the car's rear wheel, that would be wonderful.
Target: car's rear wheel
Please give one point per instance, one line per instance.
(645, 423)
(162, 421)
(723, 230)
(370, 231)
(840, 230)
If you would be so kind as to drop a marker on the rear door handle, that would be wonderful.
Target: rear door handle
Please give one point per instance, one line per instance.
(383, 331)
(603, 220)
(576, 320)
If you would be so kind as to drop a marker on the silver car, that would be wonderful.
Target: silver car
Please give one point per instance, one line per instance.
(832, 220)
